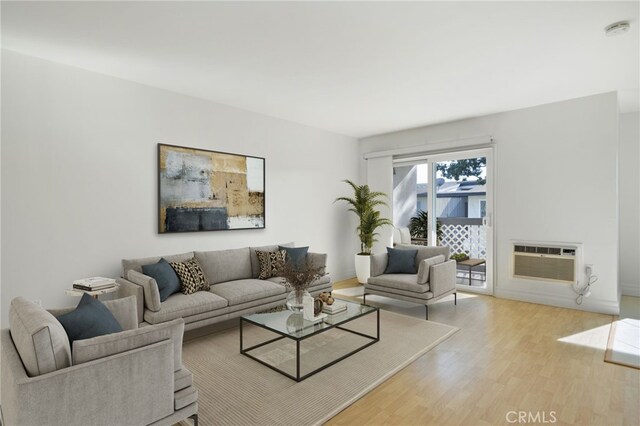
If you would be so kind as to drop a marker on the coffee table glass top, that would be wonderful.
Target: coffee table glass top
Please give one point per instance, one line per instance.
(293, 324)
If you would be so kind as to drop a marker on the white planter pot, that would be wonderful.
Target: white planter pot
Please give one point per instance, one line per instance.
(363, 268)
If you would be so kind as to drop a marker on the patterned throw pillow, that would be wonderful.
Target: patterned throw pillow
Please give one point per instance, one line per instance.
(270, 263)
(192, 278)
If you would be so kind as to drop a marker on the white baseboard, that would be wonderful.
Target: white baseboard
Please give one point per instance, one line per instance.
(629, 289)
(588, 304)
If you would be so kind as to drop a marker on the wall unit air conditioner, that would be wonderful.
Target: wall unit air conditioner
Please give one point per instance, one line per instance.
(548, 262)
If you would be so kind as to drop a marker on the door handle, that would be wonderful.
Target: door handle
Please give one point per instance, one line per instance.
(486, 220)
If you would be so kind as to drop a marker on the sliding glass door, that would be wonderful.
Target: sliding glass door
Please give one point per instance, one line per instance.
(447, 199)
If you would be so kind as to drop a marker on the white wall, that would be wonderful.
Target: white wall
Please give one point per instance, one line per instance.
(552, 162)
(630, 203)
(79, 177)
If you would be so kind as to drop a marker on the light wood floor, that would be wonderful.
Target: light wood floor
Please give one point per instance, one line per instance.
(507, 356)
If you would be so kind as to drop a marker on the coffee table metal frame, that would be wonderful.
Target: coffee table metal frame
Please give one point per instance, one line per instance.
(282, 335)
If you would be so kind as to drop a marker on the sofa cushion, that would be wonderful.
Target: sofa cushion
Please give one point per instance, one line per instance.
(241, 291)
(89, 319)
(255, 263)
(401, 261)
(296, 256)
(425, 267)
(166, 278)
(407, 282)
(318, 260)
(191, 276)
(103, 346)
(39, 338)
(136, 264)
(181, 306)
(225, 265)
(271, 262)
(149, 289)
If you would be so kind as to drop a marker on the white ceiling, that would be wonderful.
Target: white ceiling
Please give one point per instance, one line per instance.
(355, 68)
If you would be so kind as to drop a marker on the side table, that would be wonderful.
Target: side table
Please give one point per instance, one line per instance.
(94, 294)
(471, 263)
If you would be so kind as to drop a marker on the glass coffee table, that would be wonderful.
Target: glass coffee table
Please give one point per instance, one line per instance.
(292, 325)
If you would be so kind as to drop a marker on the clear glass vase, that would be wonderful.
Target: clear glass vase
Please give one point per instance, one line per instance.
(294, 300)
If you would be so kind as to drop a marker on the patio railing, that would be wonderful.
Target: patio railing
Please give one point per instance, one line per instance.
(464, 235)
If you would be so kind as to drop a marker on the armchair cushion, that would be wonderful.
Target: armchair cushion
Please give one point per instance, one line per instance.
(165, 276)
(104, 346)
(405, 282)
(124, 309)
(90, 319)
(401, 261)
(379, 264)
(39, 338)
(425, 267)
(425, 252)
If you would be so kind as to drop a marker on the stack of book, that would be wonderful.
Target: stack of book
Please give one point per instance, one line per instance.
(335, 308)
(94, 283)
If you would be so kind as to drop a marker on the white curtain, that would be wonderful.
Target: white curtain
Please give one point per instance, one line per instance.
(380, 178)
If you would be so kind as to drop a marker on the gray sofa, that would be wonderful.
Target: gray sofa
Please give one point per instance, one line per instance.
(441, 278)
(134, 377)
(235, 287)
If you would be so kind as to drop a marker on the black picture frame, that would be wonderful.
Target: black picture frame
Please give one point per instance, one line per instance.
(203, 190)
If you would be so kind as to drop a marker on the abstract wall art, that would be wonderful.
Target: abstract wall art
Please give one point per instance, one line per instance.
(201, 190)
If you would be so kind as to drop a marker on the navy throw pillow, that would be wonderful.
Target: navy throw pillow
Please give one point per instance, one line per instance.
(401, 261)
(90, 319)
(297, 256)
(165, 276)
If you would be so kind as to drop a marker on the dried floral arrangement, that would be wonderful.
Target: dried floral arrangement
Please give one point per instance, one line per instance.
(299, 279)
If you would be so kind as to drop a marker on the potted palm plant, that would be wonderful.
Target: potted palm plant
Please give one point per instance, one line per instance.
(363, 204)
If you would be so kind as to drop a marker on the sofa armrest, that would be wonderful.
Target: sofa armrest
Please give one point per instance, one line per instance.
(318, 260)
(442, 277)
(91, 393)
(127, 288)
(379, 263)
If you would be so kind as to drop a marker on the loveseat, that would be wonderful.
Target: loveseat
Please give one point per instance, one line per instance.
(133, 377)
(235, 287)
(437, 273)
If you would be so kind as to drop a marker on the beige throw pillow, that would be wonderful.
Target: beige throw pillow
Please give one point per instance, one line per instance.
(425, 267)
(270, 263)
(191, 276)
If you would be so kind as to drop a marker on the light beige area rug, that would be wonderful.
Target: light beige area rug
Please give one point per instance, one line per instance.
(236, 390)
(623, 346)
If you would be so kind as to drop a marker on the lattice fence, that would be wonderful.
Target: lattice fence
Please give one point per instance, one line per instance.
(468, 239)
